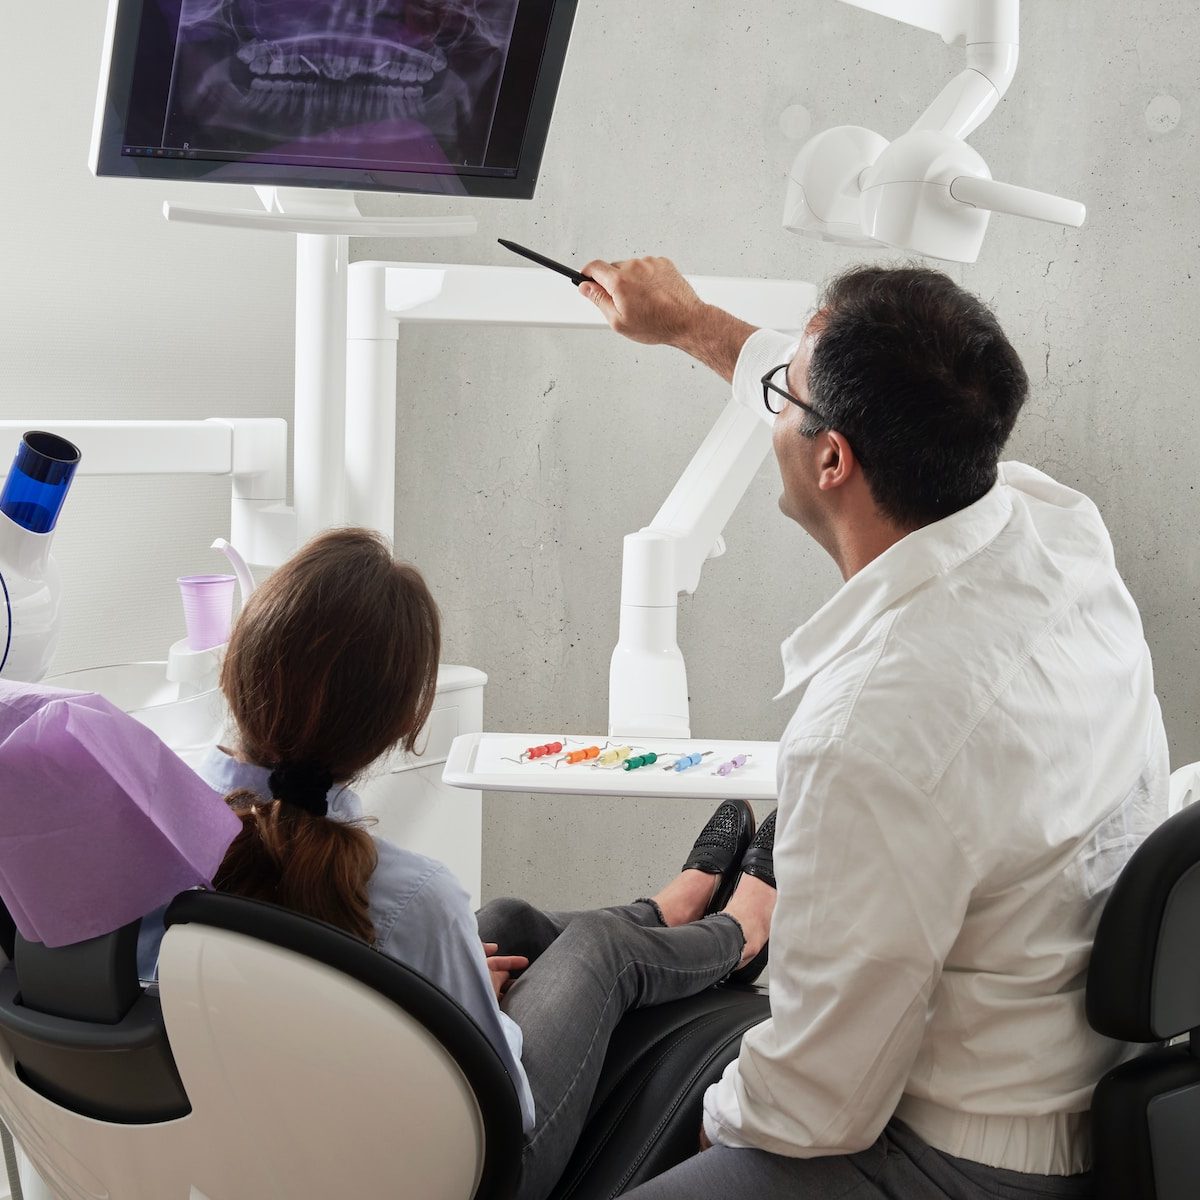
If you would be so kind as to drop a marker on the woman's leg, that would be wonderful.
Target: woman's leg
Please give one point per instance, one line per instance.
(517, 927)
(569, 1002)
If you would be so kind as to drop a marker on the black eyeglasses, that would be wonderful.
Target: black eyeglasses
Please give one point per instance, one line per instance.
(769, 385)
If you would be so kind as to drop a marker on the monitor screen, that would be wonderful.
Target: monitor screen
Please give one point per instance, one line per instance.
(445, 96)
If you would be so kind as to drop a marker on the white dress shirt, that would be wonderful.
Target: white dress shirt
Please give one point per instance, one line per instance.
(976, 752)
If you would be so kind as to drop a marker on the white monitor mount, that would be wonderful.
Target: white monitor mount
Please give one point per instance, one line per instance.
(927, 191)
(647, 679)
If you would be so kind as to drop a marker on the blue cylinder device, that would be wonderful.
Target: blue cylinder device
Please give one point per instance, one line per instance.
(30, 501)
(37, 485)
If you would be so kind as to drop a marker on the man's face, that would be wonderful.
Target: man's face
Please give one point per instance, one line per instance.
(797, 455)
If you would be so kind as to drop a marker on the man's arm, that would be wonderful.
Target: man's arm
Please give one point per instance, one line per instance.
(649, 301)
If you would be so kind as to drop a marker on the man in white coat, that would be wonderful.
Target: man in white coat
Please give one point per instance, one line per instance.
(975, 753)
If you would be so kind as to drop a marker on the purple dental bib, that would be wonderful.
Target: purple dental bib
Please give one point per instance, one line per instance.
(100, 823)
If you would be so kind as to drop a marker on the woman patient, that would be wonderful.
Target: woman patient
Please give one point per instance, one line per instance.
(334, 662)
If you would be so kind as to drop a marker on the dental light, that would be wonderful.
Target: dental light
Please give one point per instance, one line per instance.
(927, 191)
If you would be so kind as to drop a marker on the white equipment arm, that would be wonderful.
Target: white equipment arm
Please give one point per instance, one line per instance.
(648, 682)
(647, 685)
(991, 31)
(252, 451)
(946, 17)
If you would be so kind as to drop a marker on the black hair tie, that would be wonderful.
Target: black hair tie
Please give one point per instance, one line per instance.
(304, 785)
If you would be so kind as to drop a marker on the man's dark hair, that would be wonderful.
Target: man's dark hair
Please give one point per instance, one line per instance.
(918, 376)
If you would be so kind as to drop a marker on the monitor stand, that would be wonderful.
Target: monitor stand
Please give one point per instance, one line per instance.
(323, 223)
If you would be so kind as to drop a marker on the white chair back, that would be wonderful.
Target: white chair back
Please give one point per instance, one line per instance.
(313, 1067)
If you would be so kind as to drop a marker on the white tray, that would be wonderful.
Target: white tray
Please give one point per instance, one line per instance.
(483, 761)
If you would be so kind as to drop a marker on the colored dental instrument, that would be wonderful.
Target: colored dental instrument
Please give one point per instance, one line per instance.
(738, 760)
(582, 755)
(542, 751)
(618, 754)
(641, 760)
(687, 761)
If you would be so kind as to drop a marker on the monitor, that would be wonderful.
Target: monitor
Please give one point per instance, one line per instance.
(451, 97)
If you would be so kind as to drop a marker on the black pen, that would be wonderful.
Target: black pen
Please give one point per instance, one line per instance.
(574, 276)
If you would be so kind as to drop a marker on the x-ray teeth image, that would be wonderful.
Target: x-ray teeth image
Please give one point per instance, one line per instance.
(256, 75)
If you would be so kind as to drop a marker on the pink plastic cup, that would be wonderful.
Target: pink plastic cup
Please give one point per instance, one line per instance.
(207, 609)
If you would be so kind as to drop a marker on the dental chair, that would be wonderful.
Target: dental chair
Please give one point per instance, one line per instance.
(1144, 986)
(281, 1058)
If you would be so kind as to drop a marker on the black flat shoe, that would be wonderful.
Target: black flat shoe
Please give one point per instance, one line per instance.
(721, 849)
(759, 861)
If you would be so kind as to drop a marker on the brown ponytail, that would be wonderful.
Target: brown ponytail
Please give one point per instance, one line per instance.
(309, 864)
(332, 663)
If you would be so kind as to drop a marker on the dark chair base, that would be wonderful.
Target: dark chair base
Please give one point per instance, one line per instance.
(646, 1115)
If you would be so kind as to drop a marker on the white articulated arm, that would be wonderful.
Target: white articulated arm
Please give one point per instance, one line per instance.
(990, 29)
(700, 504)
(946, 17)
(955, 20)
(648, 694)
(927, 190)
(968, 100)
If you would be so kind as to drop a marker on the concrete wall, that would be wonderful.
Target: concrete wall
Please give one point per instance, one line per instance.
(525, 457)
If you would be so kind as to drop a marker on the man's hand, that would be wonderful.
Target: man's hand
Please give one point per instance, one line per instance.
(705, 1144)
(649, 301)
(501, 967)
(645, 299)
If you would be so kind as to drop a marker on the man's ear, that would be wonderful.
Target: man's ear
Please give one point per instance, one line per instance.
(836, 462)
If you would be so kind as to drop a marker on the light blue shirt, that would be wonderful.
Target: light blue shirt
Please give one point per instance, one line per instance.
(421, 913)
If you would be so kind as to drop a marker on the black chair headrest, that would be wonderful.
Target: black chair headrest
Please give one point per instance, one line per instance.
(1144, 976)
(96, 980)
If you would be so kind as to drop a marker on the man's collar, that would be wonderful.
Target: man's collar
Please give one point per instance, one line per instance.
(920, 556)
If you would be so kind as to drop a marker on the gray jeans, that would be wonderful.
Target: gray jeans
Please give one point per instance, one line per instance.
(587, 970)
(899, 1166)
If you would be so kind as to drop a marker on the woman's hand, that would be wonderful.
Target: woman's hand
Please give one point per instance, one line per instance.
(501, 967)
